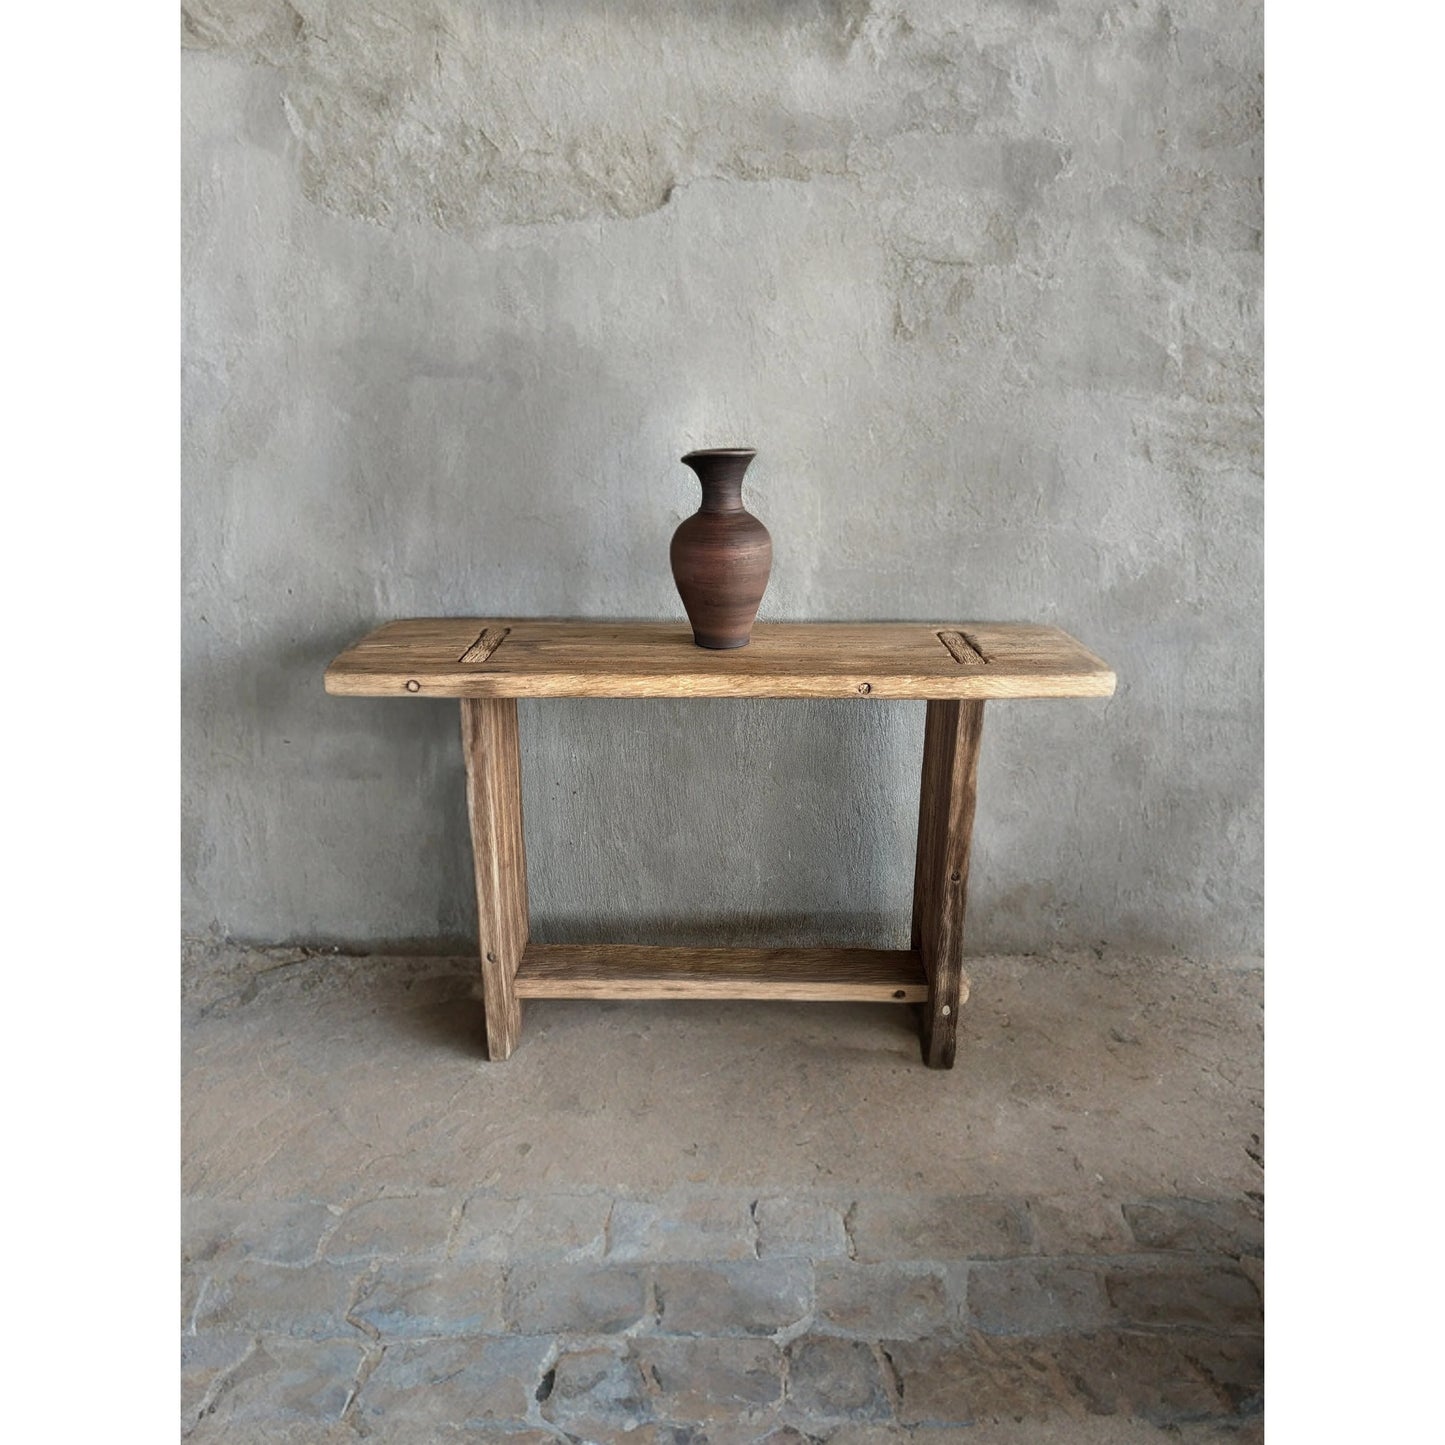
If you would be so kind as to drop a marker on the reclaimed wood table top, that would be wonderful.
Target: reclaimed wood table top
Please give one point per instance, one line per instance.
(558, 657)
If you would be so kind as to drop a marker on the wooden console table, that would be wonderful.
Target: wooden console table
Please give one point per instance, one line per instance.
(489, 664)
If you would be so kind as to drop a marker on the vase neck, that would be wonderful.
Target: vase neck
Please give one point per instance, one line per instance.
(721, 475)
(722, 494)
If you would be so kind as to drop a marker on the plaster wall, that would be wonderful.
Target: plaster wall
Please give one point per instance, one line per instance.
(981, 282)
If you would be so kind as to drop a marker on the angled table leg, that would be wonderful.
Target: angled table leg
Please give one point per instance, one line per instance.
(940, 881)
(493, 757)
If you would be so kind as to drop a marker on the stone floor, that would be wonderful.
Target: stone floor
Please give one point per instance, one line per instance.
(708, 1224)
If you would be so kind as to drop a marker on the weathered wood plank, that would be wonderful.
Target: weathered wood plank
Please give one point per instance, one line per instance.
(621, 970)
(491, 749)
(560, 658)
(948, 794)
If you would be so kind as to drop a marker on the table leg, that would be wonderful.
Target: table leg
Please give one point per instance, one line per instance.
(490, 746)
(949, 791)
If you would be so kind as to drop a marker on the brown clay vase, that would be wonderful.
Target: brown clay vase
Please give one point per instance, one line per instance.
(722, 554)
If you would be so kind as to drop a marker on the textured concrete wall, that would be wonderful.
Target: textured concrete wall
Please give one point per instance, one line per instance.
(981, 282)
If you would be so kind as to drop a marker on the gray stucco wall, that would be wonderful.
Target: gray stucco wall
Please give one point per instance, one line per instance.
(980, 281)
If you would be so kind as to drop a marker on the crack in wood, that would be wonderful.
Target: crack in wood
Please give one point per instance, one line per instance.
(489, 639)
(963, 648)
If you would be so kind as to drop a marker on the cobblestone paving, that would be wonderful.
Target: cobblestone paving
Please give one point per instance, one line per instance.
(591, 1318)
(708, 1315)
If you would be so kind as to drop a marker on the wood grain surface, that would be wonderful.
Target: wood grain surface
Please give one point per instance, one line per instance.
(520, 657)
(624, 970)
(491, 751)
(952, 732)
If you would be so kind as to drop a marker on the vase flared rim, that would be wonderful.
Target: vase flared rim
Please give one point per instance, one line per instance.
(721, 452)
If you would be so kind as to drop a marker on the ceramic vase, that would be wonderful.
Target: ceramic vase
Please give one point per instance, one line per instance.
(722, 554)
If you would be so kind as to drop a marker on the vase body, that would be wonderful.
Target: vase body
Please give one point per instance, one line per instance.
(722, 554)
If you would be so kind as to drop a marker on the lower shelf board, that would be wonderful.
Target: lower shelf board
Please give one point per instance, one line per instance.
(625, 970)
